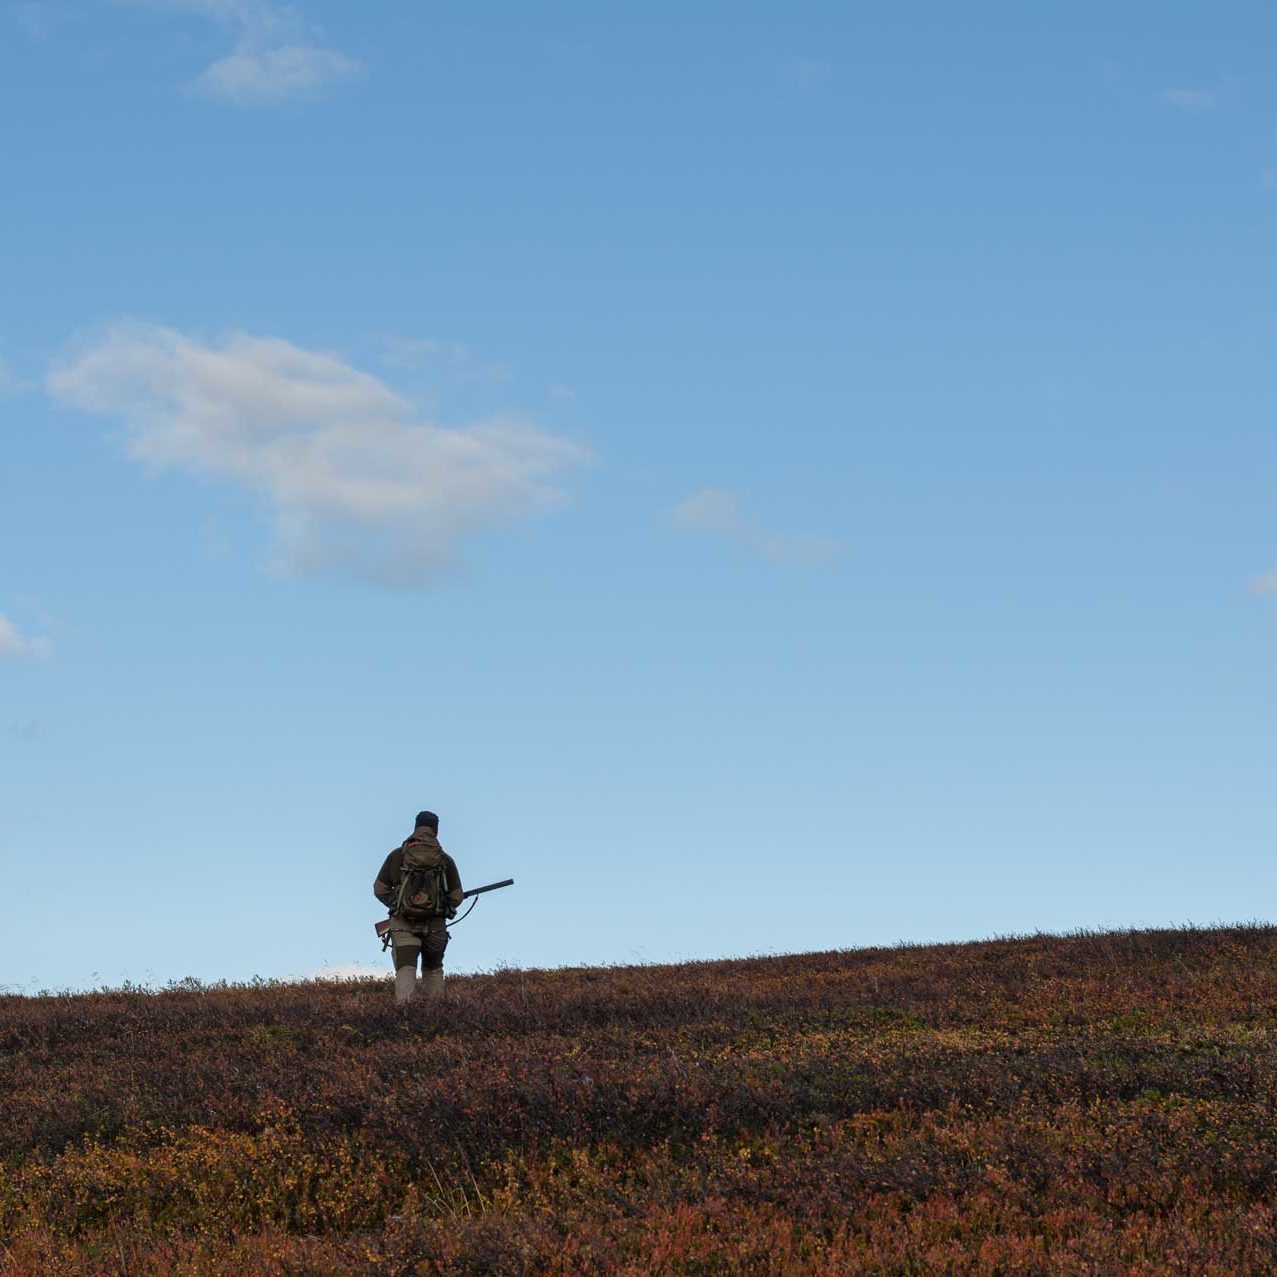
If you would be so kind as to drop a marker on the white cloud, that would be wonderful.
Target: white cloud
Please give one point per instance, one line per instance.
(251, 77)
(14, 643)
(1190, 99)
(356, 484)
(9, 384)
(351, 971)
(272, 60)
(716, 512)
(1265, 584)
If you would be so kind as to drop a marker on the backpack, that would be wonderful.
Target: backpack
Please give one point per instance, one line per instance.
(423, 885)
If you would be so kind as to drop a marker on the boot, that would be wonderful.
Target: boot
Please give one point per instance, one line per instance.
(405, 985)
(432, 983)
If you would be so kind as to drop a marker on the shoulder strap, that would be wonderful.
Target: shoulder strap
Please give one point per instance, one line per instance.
(403, 884)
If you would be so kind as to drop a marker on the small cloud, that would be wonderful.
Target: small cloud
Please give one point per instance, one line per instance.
(9, 384)
(1190, 99)
(564, 392)
(15, 644)
(252, 77)
(452, 357)
(35, 17)
(271, 62)
(412, 352)
(357, 484)
(716, 512)
(1265, 583)
(351, 971)
(712, 510)
(804, 74)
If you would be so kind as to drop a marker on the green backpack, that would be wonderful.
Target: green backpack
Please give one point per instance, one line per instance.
(423, 885)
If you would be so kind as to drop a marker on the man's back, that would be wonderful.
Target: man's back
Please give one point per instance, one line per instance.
(386, 886)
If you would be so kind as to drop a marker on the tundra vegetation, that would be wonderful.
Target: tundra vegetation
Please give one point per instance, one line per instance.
(1095, 1103)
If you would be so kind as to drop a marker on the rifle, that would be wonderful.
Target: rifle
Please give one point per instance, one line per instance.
(492, 886)
(383, 927)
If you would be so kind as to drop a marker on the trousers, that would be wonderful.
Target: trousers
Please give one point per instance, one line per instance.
(429, 939)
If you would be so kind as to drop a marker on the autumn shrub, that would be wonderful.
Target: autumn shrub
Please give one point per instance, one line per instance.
(1083, 1104)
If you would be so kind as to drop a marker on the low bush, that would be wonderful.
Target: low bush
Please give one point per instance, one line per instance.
(1096, 1103)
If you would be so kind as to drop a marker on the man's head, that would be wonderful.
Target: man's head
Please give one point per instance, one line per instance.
(428, 820)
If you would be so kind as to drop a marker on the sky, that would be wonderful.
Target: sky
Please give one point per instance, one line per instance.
(772, 477)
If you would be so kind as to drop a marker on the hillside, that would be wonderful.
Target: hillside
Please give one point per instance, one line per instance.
(1085, 1104)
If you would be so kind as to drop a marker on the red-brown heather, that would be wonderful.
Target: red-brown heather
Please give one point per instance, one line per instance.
(1100, 1103)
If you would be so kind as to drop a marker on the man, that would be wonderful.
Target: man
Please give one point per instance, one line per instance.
(421, 887)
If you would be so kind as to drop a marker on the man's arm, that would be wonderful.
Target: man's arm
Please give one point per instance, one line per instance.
(387, 881)
(454, 880)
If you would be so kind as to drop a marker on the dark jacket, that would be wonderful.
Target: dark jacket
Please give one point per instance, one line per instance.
(391, 873)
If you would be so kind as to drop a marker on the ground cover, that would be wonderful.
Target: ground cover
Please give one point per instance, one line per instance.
(1056, 1105)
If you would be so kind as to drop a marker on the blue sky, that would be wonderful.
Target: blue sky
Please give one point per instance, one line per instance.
(773, 477)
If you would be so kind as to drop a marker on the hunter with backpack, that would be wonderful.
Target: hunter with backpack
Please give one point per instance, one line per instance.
(421, 887)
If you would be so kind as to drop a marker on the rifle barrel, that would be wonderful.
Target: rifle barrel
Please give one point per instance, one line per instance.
(492, 886)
